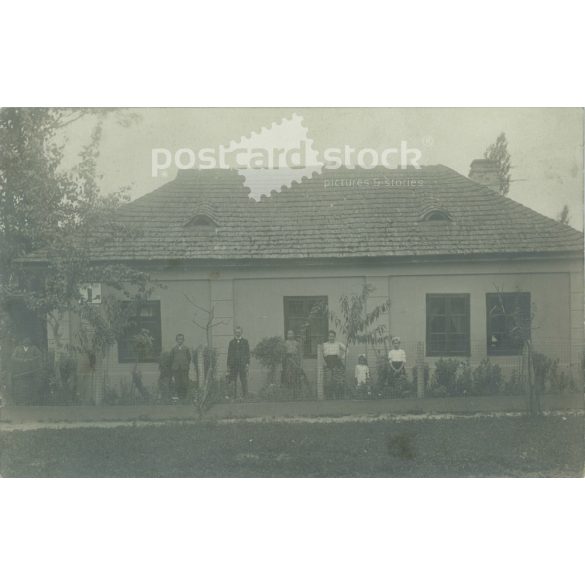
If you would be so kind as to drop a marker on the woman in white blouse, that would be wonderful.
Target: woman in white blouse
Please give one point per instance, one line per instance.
(334, 356)
(397, 357)
(397, 360)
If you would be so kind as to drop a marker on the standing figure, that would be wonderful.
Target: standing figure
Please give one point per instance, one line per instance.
(27, 360)
(397, 360)
(362, 378)
(238, 362)
(180, 362)
(334, 373)
(291, 363)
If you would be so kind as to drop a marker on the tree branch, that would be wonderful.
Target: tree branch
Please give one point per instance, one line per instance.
(191, 302)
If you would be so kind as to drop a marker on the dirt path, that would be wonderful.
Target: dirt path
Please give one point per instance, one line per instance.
(33, 426)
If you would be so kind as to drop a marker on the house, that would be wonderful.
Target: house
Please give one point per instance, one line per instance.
(458, 262)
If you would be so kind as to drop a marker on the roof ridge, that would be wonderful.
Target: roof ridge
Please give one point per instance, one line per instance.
(315, 218)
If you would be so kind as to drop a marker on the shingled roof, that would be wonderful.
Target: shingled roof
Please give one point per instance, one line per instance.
(344, 213)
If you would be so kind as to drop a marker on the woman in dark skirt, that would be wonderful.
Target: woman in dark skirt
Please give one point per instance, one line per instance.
(291, 364)
(334, 356)
(397, 359)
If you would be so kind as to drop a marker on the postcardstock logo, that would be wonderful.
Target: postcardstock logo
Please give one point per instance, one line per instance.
(275, 157)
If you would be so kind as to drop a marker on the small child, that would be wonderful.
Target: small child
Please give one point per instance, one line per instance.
(362, 378)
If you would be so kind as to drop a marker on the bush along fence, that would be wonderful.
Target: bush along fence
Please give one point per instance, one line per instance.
(548, 367)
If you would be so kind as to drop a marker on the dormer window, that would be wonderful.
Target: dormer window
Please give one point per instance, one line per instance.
(202, 223)
(434, 218)
(432, 211)
(201, 220)
(437, 216)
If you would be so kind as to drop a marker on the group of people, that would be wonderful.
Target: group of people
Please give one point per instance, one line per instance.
(27, 364)
(179, 364)
(334, 357)
(334, 354)
(238, 364)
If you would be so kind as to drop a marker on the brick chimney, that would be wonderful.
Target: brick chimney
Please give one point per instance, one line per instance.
(485, 172)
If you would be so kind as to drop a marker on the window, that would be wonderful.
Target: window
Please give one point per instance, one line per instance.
(433, 212)
(447, 324)
(202, 220)
(304, 317)
(145, 316)
(203, 224)
(508, 322)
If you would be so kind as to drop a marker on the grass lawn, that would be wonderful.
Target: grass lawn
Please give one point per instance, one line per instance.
(483, 447)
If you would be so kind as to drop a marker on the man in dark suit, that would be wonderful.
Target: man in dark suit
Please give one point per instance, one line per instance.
(238, 361)
(180, 360)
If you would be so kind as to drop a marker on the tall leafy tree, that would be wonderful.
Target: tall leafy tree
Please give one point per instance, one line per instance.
(498, 151)
(55, 215)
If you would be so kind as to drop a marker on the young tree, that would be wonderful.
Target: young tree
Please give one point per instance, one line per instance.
(355, 322)
(521, 321)
(564, 217)
(207, 377)
(498, 151)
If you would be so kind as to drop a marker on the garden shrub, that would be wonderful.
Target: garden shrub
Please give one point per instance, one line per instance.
(273, 392)
(549, 377)
(544, 369)
(408, 387)
(119, 396)
(487, 378)
(464, 381)
(218, 390)
(387, 386)
(270, 352)
(513, 385)
(565, 383)
(451, 377)
(444, 376)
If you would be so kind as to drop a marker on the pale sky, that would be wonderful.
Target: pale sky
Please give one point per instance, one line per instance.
(545, 144)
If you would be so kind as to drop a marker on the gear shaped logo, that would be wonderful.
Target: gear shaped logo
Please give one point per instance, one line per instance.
(275, 157)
